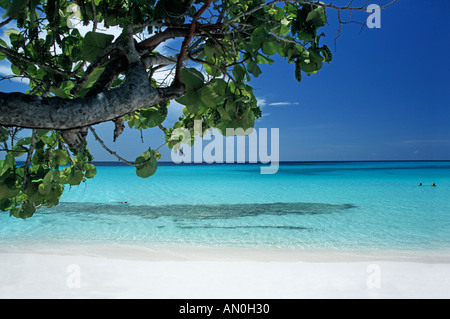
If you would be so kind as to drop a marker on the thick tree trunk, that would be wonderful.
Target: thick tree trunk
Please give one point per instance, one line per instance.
(27, 111)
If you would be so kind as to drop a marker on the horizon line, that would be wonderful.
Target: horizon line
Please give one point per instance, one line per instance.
(281, 162)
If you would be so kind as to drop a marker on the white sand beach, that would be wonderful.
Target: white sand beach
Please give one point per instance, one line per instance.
(113, 271)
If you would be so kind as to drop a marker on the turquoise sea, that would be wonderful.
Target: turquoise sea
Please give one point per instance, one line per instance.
(340, 206)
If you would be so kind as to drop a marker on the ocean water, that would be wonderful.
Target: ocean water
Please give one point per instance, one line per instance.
(340, 206)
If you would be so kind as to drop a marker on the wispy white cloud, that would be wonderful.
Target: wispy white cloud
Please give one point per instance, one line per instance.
(261, 102)
(283, 103)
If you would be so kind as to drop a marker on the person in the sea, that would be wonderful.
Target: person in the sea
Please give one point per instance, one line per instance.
(434, 185)
(420, 184)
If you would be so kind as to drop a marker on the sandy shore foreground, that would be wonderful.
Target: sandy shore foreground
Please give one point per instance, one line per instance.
(114, 271)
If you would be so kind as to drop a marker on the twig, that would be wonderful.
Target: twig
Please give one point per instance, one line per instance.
(318, 3)
(162, 128)
(161, 146)
(29, 157)
(24, 58)
(339, 30)
(94, 13)
(108, 149)
(6, 22)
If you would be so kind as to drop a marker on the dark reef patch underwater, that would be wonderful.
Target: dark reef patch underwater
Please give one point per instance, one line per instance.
(199, 211)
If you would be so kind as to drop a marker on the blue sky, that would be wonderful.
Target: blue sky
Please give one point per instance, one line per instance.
(385, 96)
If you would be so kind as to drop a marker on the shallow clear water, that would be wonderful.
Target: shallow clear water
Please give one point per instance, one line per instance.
(363, 206)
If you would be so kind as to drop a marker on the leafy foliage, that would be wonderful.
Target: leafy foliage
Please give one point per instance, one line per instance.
(230, 43)
(23, 189)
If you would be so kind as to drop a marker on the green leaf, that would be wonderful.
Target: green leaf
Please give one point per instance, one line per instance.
(239, 73)
(154, 116)
(210, 51)
(25, 211)
(94, 43)
(192, 78)
(60, 158)
(5, 204)
(15, 7)
(10, 32)
(146, 164)
(269, 47)
(317, 17)
(15, 70)
(44, 189)
(42, 133)
(258, 36)
(59, 92)
(261, 59)
(194, 108)
(8, 192)
(254, 69)
(328, 56)
(219, 86)
(94, 77)
(224, 114)
(277, 13)
(212, 70)
(10, 161)
(75, 177)
(310, 67)
(189, 98)
(4, 134)
(312, 61)
(19, 150)
(208, 97)
(3, 43)
(91, 170)
(50, 177)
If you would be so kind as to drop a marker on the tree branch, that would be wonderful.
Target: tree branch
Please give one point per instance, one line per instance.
(22, 110)
(29, 157)
(188, 39)
(95, 64)
(312, 2)
(120, 158)
(6, 21)
(75, 138)
(152, 42)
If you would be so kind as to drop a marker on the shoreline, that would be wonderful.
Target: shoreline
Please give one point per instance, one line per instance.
(188, 252)
(90, 271)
